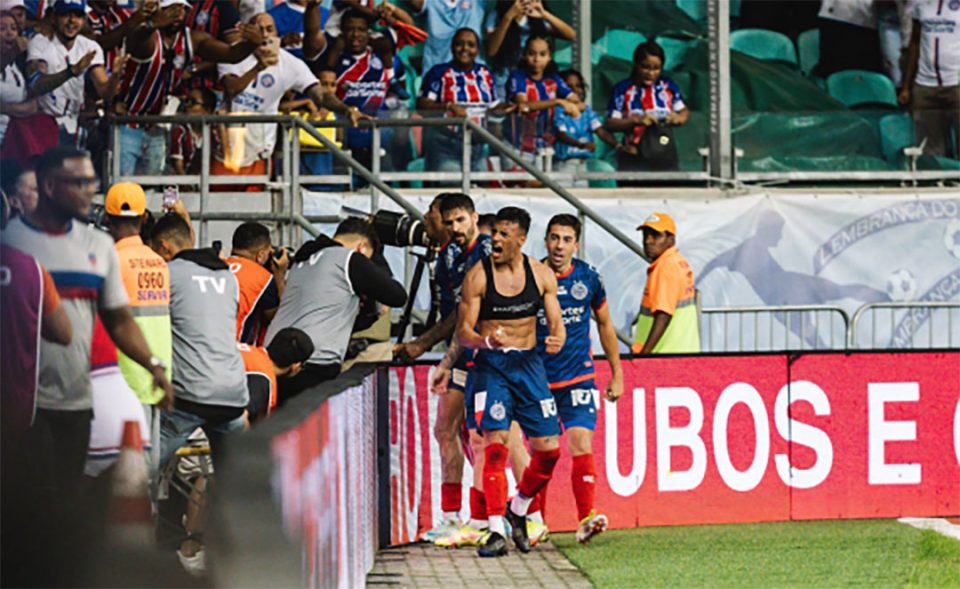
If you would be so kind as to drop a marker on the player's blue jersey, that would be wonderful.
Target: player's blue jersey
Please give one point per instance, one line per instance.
(452, 267)
(580, 292)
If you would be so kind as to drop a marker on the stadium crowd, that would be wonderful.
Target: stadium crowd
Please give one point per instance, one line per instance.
(66, 64)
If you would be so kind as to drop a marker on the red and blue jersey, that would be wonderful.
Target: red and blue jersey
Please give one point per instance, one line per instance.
(471, 88)
(658, 100)
(362, 81)
(102, 22)
(146, 84)
(531, 131)
(453, 264)
(580, 292)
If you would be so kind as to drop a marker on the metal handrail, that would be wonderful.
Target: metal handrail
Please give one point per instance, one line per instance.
(853, 332)
(756, 311)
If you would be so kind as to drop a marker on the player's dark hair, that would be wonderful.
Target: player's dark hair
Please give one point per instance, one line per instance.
(171, 226)
(566, 220)
(487, 219)
(515, 215)
(353, 13)
(456, 200)
(209, 99)
(321, 69)
(359, 228)
(251, 236)
(52, 160)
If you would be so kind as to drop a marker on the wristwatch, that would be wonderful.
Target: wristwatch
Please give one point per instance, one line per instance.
(156, 362)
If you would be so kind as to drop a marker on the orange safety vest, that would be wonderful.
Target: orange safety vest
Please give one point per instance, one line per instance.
(258, 365)
(253, 280)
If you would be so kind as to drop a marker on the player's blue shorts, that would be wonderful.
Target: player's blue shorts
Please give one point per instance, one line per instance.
(578, 404)
(512, 386)
(460, 372)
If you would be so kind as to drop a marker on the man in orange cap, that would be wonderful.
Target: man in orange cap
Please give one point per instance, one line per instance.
(147, 282)
(668, 315)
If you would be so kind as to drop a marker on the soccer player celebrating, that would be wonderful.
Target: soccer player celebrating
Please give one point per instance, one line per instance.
(571, 372)
(497, 317)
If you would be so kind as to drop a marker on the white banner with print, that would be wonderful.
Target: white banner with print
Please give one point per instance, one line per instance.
(763, 249)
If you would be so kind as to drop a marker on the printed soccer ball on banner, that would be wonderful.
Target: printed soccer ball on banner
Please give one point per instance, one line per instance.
(901, 285)
(951, 238)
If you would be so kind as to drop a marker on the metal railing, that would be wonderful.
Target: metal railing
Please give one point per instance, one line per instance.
(905, 325)
(774, 328)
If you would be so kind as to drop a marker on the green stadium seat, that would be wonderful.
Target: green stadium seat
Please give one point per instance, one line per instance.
(808, 46)
(598, 165)
(696, 9)
(764, 44)
(618, 44)
(896, 133)
(861, 88)
(675, 50)
(416, 165)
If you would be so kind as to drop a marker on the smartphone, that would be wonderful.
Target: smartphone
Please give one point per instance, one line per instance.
(171, 194)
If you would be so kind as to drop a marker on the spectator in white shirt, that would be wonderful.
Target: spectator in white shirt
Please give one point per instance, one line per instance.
(931, 75)
(848, 37)
(57, 68)
(257, 85)
(13, 82)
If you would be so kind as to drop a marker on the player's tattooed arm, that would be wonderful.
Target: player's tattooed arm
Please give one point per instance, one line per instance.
(441, 376)
(468, 313)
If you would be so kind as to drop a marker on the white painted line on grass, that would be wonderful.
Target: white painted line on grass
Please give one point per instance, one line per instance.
(933, 523)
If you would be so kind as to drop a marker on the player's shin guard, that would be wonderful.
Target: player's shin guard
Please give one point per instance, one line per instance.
(478, 509)
(583, 479)
(495, 479)
(537, 475)
(451, 498)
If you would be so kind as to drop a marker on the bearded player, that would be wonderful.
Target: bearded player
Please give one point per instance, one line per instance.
(497, 317)
(571, 372)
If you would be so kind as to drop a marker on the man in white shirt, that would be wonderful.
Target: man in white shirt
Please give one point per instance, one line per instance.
(848, 36)
(257, 85)
(57, 68)
(931, 75)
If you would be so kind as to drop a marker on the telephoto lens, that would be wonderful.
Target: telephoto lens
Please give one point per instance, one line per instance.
(400, 230)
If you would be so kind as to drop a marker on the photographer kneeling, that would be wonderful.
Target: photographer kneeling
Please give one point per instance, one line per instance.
(325, 284)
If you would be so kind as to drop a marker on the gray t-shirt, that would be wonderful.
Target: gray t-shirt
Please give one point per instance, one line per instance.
(204, 298)
(319, 299)
(83, 264)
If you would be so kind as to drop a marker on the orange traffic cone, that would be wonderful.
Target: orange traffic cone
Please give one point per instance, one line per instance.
(130, 517)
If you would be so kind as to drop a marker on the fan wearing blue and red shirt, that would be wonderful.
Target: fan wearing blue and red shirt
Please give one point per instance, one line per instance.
(571, 372)
(459, 88)
(644, 99)
(363, 76)
(537, 88)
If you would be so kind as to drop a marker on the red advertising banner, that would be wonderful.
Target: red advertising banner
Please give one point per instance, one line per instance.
(714, 439)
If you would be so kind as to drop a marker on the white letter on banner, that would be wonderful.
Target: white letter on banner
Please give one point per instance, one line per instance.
(746, 480)
(881, 431)
(625, 486)
(412, 507)
(797, 432)
(956, 432)
(688, 436)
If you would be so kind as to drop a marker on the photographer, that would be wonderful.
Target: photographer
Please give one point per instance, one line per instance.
(260, 271)
(324, 289)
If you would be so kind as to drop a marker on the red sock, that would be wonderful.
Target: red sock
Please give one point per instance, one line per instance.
(583, 478)
(542, 497)
(538, 473)
(451, 497)
(495, 478)
(478, 504)
(535, 504)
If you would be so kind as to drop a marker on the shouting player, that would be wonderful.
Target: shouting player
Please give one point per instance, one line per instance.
(571, 372)
(497, 317)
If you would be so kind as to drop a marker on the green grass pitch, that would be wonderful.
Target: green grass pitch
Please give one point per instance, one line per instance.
(865, 553)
